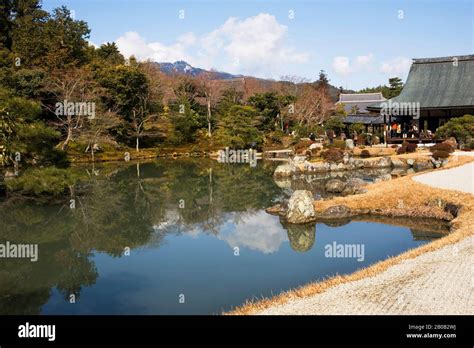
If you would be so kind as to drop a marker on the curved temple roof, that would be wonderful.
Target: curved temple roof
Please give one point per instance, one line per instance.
(438, 83)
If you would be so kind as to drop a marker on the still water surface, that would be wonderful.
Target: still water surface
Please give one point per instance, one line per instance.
(198, 237)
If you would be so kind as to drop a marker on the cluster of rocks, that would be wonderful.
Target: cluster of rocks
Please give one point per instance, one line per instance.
(299, 163)
(345, 188)
(300, 209)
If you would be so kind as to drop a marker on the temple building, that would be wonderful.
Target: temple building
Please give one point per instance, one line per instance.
(436, 90)
(355, 105)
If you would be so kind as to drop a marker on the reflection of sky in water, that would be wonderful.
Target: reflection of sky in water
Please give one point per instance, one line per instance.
(174, 250)
(204, 268)
(259, 231)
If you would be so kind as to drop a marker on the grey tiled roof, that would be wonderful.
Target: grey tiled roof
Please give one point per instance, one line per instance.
(364, 119)
(357, 97)
(361, 100)
(446, 82)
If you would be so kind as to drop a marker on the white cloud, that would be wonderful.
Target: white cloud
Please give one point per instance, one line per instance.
(259, 231)
(341, 65)
(255, 45)
(364, 60)
(398, 65)
(131, 43)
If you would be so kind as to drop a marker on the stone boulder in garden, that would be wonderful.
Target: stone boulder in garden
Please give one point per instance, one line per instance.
(300, 207)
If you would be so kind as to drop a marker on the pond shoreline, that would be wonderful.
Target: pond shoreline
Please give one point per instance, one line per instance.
(417, 200)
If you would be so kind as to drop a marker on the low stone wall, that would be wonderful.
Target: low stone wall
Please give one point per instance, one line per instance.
(300, 164)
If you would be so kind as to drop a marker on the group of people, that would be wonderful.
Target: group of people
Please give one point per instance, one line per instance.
(405, 130)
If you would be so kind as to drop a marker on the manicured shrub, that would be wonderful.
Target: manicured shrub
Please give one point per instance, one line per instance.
(461, 128)
(441, 147)
(440, 154)
(360, 140)
(402, 150)
(333, 155)
(340, 144)
(365, 154)
(275, 137)
(411, 147)
(302, 145)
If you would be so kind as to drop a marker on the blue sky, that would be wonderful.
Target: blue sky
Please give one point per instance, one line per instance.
(359, 43)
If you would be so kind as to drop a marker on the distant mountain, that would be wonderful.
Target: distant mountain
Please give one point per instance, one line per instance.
(258, 84)
(182, 68)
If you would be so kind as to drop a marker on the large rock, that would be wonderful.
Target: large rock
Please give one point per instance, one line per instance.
(398, 163)
(383, 162)
(349, 144)
(316, 167)
(300, 207)
(354, 186)
(283, 182)
(297, 160)
(335, 185)
(345, 158)
(385, 177)
(284, 170)
(451, 142)
(316, 146)
(423, 165)
(358, 163)
(337, 211)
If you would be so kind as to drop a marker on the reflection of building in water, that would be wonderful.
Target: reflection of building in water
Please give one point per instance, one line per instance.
(301, 237)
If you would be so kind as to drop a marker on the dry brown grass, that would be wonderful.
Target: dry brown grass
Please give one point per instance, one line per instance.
(375, 151)
(383, 198)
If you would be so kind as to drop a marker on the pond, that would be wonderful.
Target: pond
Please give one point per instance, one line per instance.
(187, 236)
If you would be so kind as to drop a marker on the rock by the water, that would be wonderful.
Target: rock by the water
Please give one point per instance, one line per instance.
(284, 170)
(283, 182)
(315, 146)
(359, 163)
(385, 177)
(299, 160)
(410, 162)
(349, 144)
(337, 211)
(398, 163)
(300, 207)
(383, 162)
(276, 210)
(345, 158)
(422, 165)
(354, 186)
(335, 185)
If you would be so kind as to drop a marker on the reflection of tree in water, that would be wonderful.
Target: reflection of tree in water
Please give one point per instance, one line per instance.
(24, 285)
(115, 209)
(301, 237)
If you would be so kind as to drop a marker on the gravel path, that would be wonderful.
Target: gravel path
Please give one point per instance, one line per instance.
(437, 282)
(458, 178)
